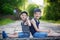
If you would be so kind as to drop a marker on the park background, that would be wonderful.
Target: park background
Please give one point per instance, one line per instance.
(10, 10)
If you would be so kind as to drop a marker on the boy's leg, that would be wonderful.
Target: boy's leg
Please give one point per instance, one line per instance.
(52, 33)
(13, 35)
(40, 35)
(20, 35)
(23, 35)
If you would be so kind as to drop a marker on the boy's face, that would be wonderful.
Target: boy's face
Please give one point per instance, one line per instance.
(37, 15)
(23, 16)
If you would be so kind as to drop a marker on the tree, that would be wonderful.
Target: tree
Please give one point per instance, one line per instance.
(30, 9)
(52, 10)
(7, 6)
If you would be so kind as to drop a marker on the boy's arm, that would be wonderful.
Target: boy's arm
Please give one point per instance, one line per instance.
(48, 30)
(28, 22)
(34, 24)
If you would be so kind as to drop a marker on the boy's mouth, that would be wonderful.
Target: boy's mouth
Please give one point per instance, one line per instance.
(36, 16)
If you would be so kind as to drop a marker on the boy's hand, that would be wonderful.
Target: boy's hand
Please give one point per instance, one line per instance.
(38, 30)
(28, 21)
(27, 18)
(49, 31)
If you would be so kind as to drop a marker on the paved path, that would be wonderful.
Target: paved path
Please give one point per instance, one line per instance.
(54, 27)
(16, 27)
(43, 25)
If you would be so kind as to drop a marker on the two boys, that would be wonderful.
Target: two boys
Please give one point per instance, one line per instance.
(31, 26)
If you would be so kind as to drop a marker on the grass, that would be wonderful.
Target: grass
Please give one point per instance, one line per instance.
(5, 21)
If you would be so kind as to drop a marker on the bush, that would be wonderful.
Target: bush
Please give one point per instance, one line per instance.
(7, 9)
(52, 11)
(7, 6)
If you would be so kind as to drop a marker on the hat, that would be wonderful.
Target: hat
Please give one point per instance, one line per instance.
(37, 10)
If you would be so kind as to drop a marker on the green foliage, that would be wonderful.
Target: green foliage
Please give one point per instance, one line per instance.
(52, 11)
(7, 9)
(21, 3)
(7, 6)
(30, 9)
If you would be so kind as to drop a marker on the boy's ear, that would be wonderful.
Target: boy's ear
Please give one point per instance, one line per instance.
(20, 17)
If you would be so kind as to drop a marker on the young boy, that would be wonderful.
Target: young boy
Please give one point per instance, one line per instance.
(25, 25)
(34, 29)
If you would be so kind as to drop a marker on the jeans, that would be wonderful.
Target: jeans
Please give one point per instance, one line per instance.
(23, 35)
(40, 35)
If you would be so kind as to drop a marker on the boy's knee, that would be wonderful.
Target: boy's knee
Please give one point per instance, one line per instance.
(40, 34)
(23, 35)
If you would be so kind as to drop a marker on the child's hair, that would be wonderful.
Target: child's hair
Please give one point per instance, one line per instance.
(23, 12)
(37, 10)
